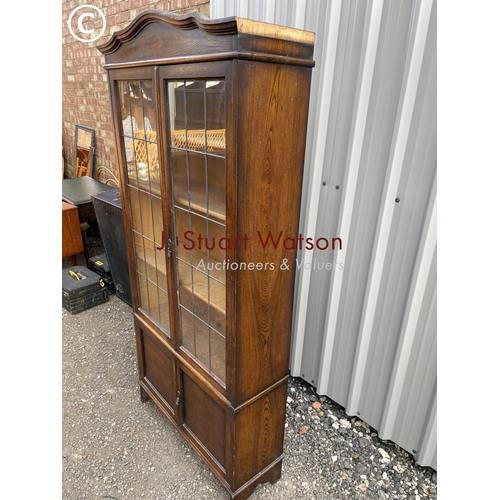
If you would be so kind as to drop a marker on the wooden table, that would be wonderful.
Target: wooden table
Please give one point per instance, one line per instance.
(78, 192)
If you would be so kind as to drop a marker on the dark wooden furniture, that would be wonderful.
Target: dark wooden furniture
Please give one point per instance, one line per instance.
(210, 124)
(78, 192)
(72, 242)
(108, 209)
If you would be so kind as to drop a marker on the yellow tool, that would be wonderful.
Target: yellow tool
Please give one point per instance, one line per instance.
(75, 275)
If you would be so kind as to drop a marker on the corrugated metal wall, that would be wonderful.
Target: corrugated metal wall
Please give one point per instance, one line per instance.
(365, 332)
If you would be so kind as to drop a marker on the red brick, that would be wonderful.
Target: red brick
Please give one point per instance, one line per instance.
(85, 98)
(127, 5)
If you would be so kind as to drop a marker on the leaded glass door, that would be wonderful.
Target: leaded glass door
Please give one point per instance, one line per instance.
(197, 153)
(140, 142)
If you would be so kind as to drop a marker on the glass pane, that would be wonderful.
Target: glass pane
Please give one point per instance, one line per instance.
(217, 254)
(162, 280)
(143, 292)
(201, 297)
(177, 107)
(198, 239)
(202, 342)
(217, 354)
(148, 106)
(218, 306)
(185, 285)
(180, 177)
(157, 221)
(136, 210)
(164, 318)
(187, 330)
(216, 105)
(139, 254)
(216, 176)
(139, 133)
(153, 301)
(195, 105)
(140, 151)
(153, 161)
(146, 213)
(197, 183)
(197, 151)
(184, 235)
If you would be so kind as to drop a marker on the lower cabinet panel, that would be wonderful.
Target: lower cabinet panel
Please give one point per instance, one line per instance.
(159, 369)
(205, 419)
(243, 446)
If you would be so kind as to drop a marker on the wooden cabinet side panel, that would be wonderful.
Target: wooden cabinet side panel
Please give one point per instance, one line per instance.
(259, 434)
(273, 103)
(72, 242)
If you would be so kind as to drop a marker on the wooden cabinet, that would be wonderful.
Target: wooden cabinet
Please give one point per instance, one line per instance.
(72, 241)
(210, 124)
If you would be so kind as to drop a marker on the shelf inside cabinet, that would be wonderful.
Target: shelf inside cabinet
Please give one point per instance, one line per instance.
(197, 200)
(155, 271)
(148, 185)
(216, 296)
(152, 278)
(152, 266)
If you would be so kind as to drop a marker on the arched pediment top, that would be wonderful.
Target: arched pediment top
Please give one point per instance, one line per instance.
(157, 37)
(189, 21)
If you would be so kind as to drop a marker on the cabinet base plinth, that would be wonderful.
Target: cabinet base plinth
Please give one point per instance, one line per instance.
(144, 395)
(271, 474)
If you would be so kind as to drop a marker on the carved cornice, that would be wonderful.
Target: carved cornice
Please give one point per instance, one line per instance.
(189, 21)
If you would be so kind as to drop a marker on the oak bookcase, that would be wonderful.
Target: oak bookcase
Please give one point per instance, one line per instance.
(210, 125)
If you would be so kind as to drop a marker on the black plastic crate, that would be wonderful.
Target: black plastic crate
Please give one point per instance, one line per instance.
(99, 264)
(82, 289)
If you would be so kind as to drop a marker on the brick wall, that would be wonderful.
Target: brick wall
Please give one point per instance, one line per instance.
(85, 98)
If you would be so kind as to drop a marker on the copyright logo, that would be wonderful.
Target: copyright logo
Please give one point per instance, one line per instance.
(87, 23)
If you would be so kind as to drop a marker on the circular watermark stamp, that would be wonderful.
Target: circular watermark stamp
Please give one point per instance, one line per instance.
(85, 16)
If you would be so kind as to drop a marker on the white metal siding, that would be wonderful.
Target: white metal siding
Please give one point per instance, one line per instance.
(365, 333)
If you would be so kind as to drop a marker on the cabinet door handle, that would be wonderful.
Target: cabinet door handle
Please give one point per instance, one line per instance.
(178, 400)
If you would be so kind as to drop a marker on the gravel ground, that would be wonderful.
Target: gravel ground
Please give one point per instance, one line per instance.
(115, 447)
